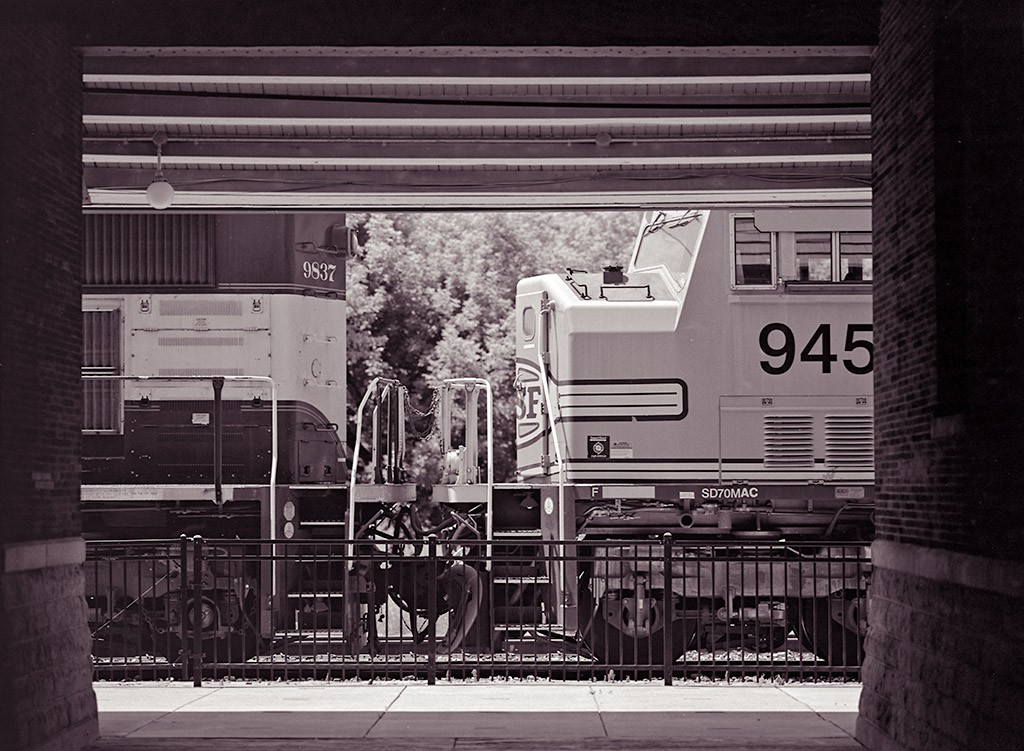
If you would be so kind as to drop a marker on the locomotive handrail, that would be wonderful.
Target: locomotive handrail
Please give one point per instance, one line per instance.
(545, 312)
(371, 391)
(486, 386)
(351, 515)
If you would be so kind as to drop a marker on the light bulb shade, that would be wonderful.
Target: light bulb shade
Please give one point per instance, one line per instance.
(160, 194)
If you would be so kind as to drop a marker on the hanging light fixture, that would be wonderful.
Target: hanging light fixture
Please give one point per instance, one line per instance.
(160, 194)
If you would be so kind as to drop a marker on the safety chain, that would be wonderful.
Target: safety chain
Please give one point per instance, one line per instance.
(430, 412)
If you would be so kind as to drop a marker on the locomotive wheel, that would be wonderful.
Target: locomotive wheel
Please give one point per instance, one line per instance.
(830, 627)
(230, 648)
(614, 644)
(233, 647)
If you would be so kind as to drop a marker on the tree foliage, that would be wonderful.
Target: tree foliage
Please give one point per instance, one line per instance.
(433, 297)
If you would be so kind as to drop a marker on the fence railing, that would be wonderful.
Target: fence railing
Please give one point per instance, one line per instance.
(430, 609)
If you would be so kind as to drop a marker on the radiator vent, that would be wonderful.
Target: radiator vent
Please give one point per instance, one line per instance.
(199, 341)
(849, 441)
(149, 249)
(199, 371)
(200, 308)
(101, 355)
(788, 441)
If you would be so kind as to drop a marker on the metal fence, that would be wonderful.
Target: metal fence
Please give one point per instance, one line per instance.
(434, 609)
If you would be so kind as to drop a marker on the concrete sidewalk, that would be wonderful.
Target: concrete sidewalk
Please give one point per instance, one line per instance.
(465, 716)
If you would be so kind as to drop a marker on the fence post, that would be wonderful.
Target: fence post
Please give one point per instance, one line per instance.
(431, 610)
(668, 606)
(197, 611)
(183, 605)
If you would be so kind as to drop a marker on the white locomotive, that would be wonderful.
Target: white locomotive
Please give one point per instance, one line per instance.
(719, 388)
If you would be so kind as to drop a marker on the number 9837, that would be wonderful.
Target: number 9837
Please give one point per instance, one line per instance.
(319, 271)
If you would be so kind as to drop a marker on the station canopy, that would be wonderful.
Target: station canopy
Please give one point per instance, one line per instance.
(401, 128)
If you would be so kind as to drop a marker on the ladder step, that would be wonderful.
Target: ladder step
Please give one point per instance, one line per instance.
(517, 533)
(321, 595)
(524, 570)
(538, 629)
(517, 615)
(328, 523)
(326, 634)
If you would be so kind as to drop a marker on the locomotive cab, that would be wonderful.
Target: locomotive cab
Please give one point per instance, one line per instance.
(706, 379)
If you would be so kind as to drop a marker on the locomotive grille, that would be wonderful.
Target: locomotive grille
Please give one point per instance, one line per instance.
(228, 307)
(849, 441)
(148, 249)
(199, 341)
(788, 441)
(198, 371)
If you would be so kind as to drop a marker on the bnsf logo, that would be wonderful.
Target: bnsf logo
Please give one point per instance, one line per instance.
(530, 422)
(727, 494)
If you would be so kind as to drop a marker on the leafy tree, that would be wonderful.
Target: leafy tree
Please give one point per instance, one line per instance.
(433, 297)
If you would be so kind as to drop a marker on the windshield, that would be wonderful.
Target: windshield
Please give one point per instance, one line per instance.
(671, 240)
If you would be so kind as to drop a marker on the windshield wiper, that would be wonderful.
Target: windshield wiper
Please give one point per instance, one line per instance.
(659, 224)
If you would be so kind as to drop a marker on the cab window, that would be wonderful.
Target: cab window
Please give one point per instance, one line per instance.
(801, 248)
(753, 255)
(832, 257)
(814, 256)
(671, 241)
(855, 257)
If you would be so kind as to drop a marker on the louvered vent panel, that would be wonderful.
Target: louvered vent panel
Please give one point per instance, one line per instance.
(230, 307)
(199, 371)
(101, 331)
(849, 441)
(148, 249)
(200, 341)
(788, 441)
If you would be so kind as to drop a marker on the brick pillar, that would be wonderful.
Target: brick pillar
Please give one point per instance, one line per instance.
(945, 650)
(46, 696)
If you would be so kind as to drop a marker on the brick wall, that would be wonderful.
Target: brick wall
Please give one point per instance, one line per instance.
(949, 379)
(45, 648)
(40, 288)
(918, 502)
(943, 655)
(981, 116)
(943, 667)
(46, 697)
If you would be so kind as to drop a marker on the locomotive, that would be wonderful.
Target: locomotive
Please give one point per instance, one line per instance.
(172, 301)
(738, 381)
(215, 395)
(717, 388)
